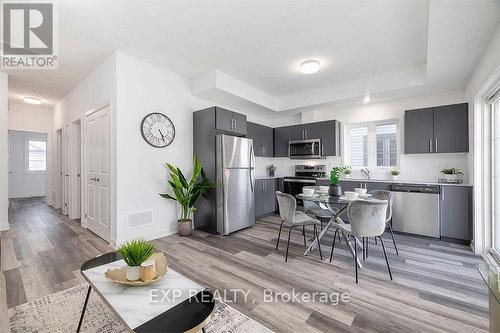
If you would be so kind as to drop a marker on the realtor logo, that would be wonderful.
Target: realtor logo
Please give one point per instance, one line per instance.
(29, 35)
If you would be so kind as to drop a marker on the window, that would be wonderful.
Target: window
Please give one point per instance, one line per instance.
(37, 156)
(372, 145)
(387, 145)
(358, 146)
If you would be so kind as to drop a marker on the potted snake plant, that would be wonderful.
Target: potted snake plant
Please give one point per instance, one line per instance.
(186, 193)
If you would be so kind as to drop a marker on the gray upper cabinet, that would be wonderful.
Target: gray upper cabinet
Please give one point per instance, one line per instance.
(451, 128)
(263, 139)
(456, 212)
(419, 131)
(440, 129)
(229, 121)
(327, 131)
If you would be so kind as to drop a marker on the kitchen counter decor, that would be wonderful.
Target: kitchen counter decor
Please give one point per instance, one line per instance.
(154, 271)
(335, 190)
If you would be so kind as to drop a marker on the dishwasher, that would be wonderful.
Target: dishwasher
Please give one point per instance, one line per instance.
(416, 209)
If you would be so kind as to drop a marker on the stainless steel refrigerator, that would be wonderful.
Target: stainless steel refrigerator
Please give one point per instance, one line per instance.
(235, 163)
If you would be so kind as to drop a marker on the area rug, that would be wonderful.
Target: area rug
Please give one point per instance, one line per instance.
(60, 312)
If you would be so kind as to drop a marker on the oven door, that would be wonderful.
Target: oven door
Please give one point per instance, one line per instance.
(304, 149)
(294, 186)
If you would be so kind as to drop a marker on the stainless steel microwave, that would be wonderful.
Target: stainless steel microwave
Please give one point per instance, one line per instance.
(305, 149)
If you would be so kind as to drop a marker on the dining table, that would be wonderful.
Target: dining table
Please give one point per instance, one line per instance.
(336, 206)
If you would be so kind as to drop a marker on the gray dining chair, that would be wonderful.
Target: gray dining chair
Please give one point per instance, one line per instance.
(317, 210)
(386, 195)
(367, 219)
(293, 218)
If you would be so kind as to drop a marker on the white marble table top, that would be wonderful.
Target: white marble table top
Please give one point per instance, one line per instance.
(137, 305)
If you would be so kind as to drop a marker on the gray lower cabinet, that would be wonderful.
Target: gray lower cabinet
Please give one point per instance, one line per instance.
(439, 129)
(263, 139)
(456, 212)
(265, 197)
(229, 121)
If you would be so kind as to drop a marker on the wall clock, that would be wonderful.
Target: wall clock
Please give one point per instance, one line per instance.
(157, 130)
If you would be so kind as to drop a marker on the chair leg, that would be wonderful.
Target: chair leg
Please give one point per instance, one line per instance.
(304, 234)
(394, 241)
(84, 308)
(333, 244)
(279, 235)
(367, 242)
(375, 240)
(319, 243)
(356, 259)
(288, 243)
(364, 249)
(385, 255)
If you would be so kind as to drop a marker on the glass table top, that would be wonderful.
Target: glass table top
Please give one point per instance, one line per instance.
(491, 276)
(325, 198)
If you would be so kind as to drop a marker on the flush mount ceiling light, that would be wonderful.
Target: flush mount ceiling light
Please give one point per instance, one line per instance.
(32, 100)
(366, 99)
(309, 67)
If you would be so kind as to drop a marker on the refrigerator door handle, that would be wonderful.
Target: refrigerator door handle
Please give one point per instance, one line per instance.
(252, 167)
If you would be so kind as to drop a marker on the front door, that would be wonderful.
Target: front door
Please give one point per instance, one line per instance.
(97, 160)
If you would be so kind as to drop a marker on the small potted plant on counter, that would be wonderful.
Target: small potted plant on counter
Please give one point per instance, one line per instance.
(271, 168)
(186, 193)
(335, 190)
(451, 174)
(395, 174)
(347, 171)
(134, 253)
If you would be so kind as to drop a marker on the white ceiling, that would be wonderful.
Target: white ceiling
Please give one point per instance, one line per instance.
(364, 46)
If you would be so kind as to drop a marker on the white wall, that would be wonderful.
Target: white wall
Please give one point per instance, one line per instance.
(141, 89)
(23, 184)
(424, 167)
(38, 119)
(4, 165)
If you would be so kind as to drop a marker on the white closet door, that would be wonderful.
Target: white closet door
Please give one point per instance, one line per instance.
(97, 159)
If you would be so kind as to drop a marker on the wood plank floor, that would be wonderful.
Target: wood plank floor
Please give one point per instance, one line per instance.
(435, 289)
(42, 252)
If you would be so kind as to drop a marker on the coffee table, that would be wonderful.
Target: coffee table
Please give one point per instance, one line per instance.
(171, 304)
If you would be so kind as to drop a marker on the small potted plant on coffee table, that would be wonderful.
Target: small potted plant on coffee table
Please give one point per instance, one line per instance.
(271, 168)
(134, 253)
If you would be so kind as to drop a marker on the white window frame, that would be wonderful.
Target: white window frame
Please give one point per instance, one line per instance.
(372, 144)
(27, 155)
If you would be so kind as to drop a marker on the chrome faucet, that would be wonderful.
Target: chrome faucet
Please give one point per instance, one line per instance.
(366, 172)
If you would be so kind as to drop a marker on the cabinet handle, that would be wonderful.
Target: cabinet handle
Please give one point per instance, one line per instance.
(436, 146)
(306, 134)
(430, 145)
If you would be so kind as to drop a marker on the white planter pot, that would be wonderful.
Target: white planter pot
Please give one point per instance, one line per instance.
(347, 175)
(451, 178)
(395, 177)
(133, 273)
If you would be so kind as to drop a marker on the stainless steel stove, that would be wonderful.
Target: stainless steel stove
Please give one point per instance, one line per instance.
(305, 175)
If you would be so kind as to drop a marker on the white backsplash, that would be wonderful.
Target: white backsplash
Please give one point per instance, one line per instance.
(418, 167)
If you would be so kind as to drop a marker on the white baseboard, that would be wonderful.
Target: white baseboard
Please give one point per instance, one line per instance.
(4, 226)
(148, 237)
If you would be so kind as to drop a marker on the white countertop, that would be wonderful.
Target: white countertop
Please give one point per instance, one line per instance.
(399, 181)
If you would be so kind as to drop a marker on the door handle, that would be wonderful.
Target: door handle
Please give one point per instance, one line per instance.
(430, 145)
(436, 146)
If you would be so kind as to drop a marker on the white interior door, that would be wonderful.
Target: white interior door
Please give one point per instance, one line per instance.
(97, 159)
(75, 198)
(495, 158)
(66, 163)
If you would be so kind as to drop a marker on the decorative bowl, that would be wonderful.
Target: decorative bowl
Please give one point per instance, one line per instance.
(360, 191)
(307, 191)
(351, 195)
(119, 275)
